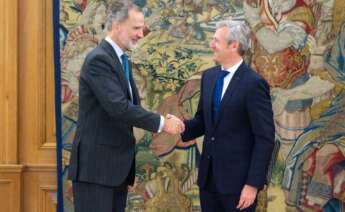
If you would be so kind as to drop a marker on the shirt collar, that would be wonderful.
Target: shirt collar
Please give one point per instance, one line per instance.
(116, 48)
(233, 68)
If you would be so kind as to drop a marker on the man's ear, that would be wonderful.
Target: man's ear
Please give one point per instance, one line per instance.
(235, 45)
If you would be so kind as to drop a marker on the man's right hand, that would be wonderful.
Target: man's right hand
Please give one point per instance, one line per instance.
(173, 125)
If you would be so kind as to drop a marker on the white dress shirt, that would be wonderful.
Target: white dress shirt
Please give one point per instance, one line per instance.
(119, 52)
(228, 77)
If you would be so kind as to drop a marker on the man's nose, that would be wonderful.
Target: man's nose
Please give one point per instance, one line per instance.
(140, 34)
(211, 44)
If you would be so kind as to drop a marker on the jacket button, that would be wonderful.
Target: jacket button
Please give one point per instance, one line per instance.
(208, 157)
(212, 139)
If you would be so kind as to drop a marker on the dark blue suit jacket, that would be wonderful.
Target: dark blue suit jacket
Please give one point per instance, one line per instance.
(241, 141)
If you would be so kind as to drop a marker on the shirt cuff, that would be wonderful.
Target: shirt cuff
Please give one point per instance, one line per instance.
(161, 125)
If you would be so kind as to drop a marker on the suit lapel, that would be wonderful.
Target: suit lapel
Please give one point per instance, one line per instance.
(232, 87)
(118, 68)
(208, 92)
(109, 49)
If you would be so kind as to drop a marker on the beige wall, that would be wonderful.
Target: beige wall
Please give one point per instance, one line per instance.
(27, 124)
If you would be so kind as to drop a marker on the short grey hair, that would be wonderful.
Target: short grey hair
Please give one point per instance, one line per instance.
(239, 32)
(118, 11)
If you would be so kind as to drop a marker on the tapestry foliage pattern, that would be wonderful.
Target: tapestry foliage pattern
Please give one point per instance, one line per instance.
(298, 46)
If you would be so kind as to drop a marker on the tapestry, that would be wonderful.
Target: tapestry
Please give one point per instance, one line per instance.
(298, 46)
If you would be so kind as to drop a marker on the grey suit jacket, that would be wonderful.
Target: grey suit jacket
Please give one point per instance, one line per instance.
(104, 145)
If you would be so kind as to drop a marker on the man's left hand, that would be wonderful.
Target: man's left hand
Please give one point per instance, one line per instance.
(248, 195)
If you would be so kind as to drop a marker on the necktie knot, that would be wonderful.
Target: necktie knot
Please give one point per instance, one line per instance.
(223, 74)
(124, 57)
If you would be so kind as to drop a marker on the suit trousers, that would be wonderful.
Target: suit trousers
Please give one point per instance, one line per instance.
(211, 200)
(90, 197)
(217, 202)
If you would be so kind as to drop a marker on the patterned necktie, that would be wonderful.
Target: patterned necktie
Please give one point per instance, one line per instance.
(217, 94)
(125, 65)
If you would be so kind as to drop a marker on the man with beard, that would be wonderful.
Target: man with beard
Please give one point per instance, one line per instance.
(102, 161)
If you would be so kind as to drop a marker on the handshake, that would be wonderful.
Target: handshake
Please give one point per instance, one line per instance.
(173, 125)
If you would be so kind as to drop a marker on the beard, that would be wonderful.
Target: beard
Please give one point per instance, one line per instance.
(130, 45)
(126, 41)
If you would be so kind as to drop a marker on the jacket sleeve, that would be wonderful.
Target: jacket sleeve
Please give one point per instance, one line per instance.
(259, 107)
(106, 86)
(195, 127)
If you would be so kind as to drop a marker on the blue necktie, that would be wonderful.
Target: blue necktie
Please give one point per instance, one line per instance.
(125, 65)
(124, 58)
(217, 94)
